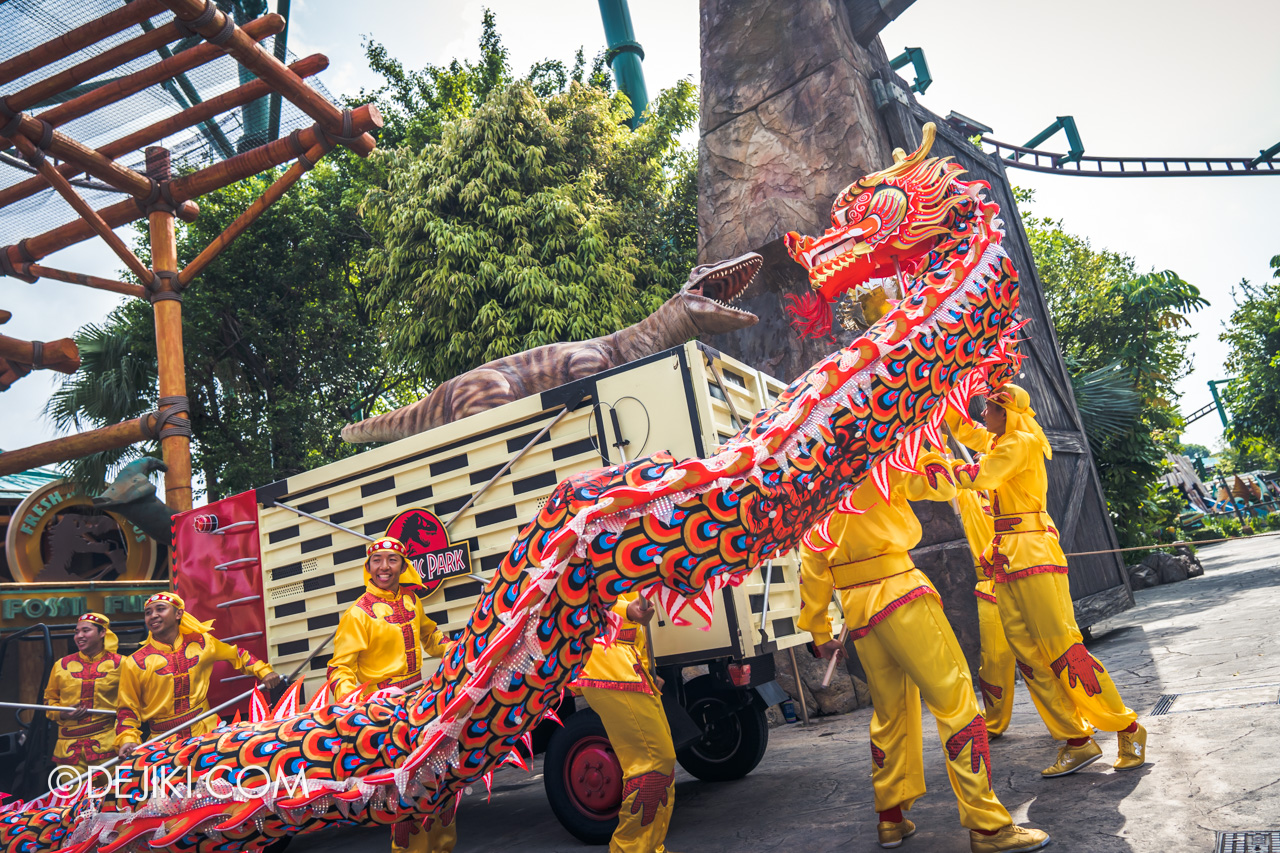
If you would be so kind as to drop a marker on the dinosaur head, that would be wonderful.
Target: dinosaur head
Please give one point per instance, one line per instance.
(883, 225)
(712, 289)
(132, 484)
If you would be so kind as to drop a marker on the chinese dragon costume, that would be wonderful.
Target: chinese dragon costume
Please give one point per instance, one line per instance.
(674, 530)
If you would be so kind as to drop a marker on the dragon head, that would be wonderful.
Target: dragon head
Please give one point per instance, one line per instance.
(882, 225)
(711, 290)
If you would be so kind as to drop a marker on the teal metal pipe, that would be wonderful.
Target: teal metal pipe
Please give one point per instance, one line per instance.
(624, 56)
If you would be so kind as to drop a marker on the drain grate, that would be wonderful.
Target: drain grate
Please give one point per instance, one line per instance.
(1242, 696)
(1263, 841)
(1163, 704)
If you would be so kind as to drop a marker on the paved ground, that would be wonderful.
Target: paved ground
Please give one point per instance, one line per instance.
(1215, 755)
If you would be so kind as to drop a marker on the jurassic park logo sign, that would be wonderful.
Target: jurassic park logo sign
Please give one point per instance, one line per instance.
(430, 551)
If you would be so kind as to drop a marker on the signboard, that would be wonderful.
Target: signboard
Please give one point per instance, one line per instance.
(56, 535)
(430, 551)
(26, 604)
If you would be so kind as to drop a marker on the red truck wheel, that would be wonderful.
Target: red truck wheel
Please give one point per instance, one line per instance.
(583, 779)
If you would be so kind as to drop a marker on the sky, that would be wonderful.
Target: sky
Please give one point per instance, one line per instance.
(1141, 78)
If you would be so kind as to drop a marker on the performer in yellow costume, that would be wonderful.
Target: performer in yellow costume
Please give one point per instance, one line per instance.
(1070, 687)
(618, 686)
(996, 665)
(380, 643)
(908, 650)
(90, 678)
(165, 684)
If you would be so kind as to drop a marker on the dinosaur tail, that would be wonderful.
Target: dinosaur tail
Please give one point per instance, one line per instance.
(392, 426)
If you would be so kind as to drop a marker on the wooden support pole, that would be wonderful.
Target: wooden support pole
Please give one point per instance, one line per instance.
(73, 446)
(5, 316)
(198, 183)
(251, 55)
(169, 355)
(273, 193)
(40, 271)
(87, 213)
(56, 84)
(84, 159)
(81, 37)
(152, 133)
(130, 84)
(61, 355)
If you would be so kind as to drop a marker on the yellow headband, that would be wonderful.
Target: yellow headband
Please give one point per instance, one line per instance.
(1016, 403)
(109, 638)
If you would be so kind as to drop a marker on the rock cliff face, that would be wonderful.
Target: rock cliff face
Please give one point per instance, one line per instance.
(789, 119)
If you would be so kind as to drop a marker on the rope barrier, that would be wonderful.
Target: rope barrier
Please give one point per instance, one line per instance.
(1171, 544)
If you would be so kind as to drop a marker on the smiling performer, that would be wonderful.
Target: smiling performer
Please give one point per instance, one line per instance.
(90, 678)
(996, 667)
(618, 686)
(909, 651)
(165, 684)
(380, 643)
(1071, 688)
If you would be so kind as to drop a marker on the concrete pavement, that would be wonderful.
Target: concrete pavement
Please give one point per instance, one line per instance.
(1204, 654)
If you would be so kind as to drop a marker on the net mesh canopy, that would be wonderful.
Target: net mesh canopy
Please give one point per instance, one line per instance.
(26, 24)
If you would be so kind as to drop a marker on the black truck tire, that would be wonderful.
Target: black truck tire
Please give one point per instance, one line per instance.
(583, 779)
(735, 732)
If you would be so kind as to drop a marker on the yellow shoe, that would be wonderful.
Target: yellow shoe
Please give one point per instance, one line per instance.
(1133, 749)
(1073, 758)
(1011, 839)
(891, 834)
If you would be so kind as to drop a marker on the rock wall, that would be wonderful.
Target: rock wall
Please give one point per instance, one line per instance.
(789, 119)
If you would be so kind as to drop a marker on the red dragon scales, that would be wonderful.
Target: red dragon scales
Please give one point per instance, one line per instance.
(676, 530)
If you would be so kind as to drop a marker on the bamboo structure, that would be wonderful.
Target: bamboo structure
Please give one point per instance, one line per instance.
(155, 194)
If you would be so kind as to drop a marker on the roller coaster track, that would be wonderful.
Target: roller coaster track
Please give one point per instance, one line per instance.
(1033, 160)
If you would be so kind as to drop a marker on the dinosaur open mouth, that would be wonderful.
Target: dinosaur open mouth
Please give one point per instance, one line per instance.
(725, 285)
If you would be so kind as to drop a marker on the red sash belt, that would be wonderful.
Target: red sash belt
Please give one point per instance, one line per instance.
(161, 726)
(93, 728)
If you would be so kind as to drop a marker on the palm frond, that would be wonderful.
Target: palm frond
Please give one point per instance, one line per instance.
(1108, 404)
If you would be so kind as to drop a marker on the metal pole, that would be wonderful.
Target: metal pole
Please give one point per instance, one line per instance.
(503, 470)
(624, 56)
(26, 707)
(764, 609)
(323, 521)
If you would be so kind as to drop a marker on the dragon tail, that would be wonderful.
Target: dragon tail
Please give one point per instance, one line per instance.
(400, 423)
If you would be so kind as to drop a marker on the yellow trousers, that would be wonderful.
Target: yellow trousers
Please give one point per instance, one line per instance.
(438, 838)
(641, 738)
(996, 665)
(83, 751)
(1070, 688)
(913, 653)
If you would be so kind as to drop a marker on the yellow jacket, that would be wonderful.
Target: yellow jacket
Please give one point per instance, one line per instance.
(380, 642)
(90, 681)
(167, 686)
(623, 665)
(870, 564)
(979, 528)
(1012, 470)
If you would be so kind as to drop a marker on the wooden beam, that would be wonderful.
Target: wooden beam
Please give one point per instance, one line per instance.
(39, 271)
(170, 359)
(81, 37)
(273, 193)
(87, 213)
(56, 84)
(251, 55)
(85, 159)
(74, 446)
(152, 133)
(264, 157)
(196, 184)
(131, 84)
(5, 316)
(61, 355)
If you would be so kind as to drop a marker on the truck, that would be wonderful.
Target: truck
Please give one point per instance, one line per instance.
(277, 566)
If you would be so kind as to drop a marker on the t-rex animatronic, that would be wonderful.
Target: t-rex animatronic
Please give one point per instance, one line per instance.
(702, 307)
(677, 530)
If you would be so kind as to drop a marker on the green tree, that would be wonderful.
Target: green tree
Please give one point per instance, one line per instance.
(1120, 331)
(533, 220)
(1253, 397)
(280, 351)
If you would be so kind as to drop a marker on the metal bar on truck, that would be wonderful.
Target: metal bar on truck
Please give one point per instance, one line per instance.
(507, 467)
(305, 514)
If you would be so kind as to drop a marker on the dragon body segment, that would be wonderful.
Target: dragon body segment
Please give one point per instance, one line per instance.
(677, 530)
